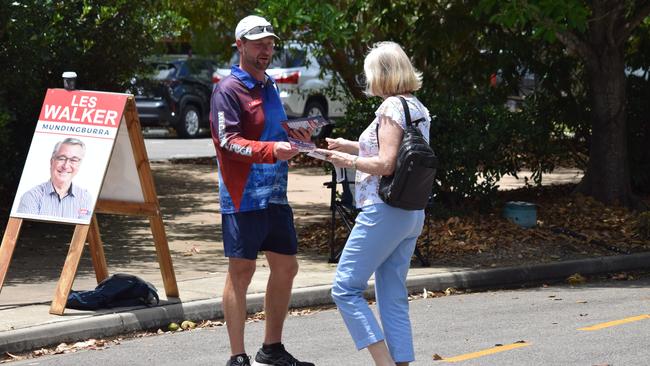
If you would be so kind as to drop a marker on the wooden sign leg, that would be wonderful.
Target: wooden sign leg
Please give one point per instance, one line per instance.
(150, 198)
(97, 251)
(164, 257)
(8, 246)
(69, 269)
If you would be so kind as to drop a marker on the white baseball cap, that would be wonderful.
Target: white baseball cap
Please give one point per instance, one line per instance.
(254, 27)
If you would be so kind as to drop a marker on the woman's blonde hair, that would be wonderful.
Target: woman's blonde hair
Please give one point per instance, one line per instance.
(389, 71)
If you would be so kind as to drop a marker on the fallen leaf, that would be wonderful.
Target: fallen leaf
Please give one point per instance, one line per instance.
(14, 357)
(436, 357)
(450, 291)
(576, 279)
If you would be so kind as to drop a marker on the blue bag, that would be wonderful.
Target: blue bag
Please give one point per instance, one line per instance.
(117, 290)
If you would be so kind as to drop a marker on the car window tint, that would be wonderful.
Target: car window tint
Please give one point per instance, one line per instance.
(183, 70)
(163, 71)
(282, 58)
(234, 60)
(200, 69)
(294, 57)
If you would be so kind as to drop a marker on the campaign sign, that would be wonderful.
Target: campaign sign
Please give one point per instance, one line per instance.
(68, 157)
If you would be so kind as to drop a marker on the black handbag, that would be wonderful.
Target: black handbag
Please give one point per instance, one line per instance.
(410, 185)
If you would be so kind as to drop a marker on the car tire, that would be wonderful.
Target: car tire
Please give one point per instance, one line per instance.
(189, 123)
(316, 108)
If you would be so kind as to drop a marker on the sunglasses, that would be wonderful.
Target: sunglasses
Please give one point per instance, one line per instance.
(259, 29)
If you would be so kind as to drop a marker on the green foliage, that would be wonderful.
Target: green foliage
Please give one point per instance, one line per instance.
(479, 141)
(359, 114)
(457, 49)
(211, 24)
(547, 16)
(39, 40)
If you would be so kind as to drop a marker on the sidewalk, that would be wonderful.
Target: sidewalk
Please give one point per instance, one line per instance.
(189, 203)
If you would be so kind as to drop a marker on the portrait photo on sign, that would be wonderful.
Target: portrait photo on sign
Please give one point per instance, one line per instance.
(62, 177)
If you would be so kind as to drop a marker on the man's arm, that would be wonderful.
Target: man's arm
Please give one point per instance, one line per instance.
(227, 132)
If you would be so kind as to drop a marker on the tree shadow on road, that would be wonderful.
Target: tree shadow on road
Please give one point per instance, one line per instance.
(189, 202)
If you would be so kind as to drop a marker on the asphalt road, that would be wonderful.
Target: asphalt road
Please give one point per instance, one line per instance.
(485, 328)
(161, 146)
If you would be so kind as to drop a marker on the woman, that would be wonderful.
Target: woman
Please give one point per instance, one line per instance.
(383, 238)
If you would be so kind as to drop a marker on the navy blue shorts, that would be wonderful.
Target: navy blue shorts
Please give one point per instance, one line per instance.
(270, 229)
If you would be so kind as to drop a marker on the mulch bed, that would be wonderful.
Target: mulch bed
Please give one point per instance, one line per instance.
(569, 226)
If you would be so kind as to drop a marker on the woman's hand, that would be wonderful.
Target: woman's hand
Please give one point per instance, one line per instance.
(339, 159)
(343, 145)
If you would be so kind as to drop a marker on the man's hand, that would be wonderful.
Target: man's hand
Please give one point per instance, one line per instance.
(283, 151)
(303, 134)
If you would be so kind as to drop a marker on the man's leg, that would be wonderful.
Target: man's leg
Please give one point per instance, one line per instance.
(240, 273)
(278, 294)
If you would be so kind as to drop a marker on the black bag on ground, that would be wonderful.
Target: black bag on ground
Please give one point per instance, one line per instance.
(410, 185)
(117, 290)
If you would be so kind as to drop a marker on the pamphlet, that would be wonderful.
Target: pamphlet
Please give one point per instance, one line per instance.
(305, 122)
(317, 155)
(302, 146)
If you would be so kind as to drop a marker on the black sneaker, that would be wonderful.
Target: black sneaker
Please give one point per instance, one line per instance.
(239, 361)
(277, 358)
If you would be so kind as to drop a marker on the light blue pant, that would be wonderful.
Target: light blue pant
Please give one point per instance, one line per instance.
(381, 242)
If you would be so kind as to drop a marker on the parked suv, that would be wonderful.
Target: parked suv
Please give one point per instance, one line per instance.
(303, 88)
(176, 94)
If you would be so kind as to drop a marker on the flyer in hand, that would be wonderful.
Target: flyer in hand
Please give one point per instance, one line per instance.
(305, 122)
(307, 147)
(317, 155)
(302, 146)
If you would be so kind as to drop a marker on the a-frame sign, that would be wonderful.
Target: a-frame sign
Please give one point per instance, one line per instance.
(95, 138)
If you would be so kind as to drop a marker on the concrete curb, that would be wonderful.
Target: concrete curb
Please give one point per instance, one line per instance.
(107, 325)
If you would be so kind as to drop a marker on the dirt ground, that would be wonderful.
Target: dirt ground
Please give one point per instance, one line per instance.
(568, 227)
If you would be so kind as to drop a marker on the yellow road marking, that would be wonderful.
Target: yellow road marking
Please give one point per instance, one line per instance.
(486, 352)
(616, 322)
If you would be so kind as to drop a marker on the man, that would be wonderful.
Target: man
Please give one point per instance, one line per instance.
(252, 152)
(58, 196)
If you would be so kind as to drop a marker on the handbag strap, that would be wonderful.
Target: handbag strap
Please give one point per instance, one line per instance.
(407, 112)
(407, 115)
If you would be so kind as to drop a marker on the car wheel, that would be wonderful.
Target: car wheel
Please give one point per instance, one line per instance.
(316, 108)
(188, 125)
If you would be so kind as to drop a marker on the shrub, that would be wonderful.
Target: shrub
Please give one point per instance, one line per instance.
(478, 141)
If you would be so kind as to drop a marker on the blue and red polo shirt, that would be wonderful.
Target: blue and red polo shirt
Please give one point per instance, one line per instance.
(245, 120)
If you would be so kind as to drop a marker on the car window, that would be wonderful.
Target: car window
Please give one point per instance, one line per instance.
(294, 57)
(183, 70)
(234, 60)
(200, 69)
(163, 71)
(282, 58)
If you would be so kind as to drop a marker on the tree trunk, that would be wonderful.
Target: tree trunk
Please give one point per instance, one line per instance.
(607, 178)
